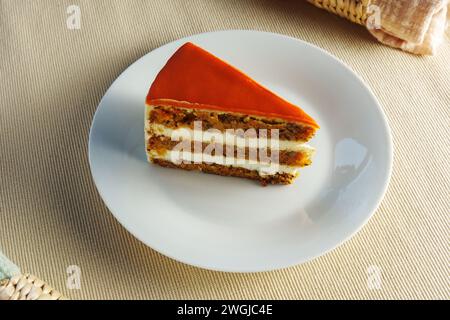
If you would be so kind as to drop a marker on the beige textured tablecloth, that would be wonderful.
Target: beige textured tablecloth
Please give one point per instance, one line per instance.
(51, 216)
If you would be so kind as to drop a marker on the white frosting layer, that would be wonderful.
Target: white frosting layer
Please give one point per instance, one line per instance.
(228, 139)
(263, 169)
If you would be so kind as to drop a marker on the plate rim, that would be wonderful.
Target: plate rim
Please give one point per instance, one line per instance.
(389, 152)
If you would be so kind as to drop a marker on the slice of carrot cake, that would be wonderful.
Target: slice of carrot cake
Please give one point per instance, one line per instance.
(204, 114)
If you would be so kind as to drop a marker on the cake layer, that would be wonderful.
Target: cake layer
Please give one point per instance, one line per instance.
(175, 117)
(263, 169)
(278, 178)
(285, 157)
(227, 138)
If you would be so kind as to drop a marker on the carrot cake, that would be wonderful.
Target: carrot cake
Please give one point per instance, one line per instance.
(203, 114)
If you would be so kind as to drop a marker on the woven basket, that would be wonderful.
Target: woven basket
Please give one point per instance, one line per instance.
(27, 287)
(353, 10)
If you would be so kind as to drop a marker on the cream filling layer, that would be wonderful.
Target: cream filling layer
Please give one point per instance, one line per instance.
(264, 169)
(227, 138)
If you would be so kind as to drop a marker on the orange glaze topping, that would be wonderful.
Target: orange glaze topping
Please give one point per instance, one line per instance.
(194, 78)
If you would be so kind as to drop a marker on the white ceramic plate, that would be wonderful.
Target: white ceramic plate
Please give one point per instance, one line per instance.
(232, 224)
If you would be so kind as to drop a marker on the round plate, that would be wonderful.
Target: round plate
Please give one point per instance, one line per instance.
(232, 224)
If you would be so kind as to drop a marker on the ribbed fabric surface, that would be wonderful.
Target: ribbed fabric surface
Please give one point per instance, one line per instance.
(51, 216)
